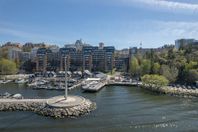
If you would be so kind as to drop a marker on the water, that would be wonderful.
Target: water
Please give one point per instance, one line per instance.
(118, 109)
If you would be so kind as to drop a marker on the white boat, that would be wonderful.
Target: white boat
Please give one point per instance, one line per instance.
(38, 83)
(32, 84)
(85, 86)
(5, 81)
(20, 81)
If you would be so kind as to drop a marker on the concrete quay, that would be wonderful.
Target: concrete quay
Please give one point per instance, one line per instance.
(94, 87)
(56, 107)
(100, 85)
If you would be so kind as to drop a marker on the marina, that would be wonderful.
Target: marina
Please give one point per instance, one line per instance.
(98, 66)
(126, 108)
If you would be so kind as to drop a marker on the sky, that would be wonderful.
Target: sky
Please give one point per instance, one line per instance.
(121, 23)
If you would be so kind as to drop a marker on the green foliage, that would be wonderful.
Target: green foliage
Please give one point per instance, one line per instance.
(154, 80)
(4, 53)
(170, 73)
(145, 67)
(190, 72)
(156, 68)
(191, 65)
(178, 60)
(7, 67)
(171, 54)
(134, 67)
(191, 76)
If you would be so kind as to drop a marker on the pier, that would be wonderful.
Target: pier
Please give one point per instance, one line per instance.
(99, 85)
(94, 87)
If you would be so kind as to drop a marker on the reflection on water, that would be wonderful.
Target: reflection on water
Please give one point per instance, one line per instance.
(118, 109)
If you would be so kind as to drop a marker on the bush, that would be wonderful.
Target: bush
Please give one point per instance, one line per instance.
(7, 67)
(154, 80)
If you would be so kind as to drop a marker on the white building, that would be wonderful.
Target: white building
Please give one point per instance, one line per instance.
(180, 42)
(14, 53)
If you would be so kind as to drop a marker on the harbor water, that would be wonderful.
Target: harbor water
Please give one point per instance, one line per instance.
(119, 108)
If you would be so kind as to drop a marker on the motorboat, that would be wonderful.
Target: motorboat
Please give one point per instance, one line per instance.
(5, 81)
(20, 81)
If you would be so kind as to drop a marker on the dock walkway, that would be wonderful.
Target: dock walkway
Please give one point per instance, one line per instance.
(100, 85)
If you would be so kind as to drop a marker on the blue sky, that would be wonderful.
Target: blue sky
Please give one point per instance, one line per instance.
(122, 23)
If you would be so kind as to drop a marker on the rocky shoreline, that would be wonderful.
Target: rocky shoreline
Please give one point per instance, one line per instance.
(173, 91)
(41, 108)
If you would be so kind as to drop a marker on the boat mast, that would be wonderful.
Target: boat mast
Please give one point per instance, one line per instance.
(65, 78)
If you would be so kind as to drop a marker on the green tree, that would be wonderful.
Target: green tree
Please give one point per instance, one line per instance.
(191, 76)
(7, 67)
(191, 65)
(191, 72)
(145, 67)
(156, 68)
(154, 80)
(134, 67)
(171, 73)
(4, 53)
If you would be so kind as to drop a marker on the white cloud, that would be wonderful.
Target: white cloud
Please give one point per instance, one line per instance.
(163, 4)
(157, 33)
(178, 29)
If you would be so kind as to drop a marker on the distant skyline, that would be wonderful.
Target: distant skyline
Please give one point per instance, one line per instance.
(122, 23)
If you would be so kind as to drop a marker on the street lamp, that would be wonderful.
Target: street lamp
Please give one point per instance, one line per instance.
(65, 78)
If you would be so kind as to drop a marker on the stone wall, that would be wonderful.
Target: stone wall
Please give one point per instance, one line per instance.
(173, 91)
(42, 108)
(84, 108)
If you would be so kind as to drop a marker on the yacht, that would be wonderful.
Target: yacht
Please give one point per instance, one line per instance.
(20, 81)
(5, 81)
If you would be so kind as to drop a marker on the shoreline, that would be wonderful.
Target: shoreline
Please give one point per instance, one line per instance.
(173, 91)
(167, 90)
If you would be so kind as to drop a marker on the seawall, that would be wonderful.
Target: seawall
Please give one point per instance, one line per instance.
(40, 107)
(173, 91)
